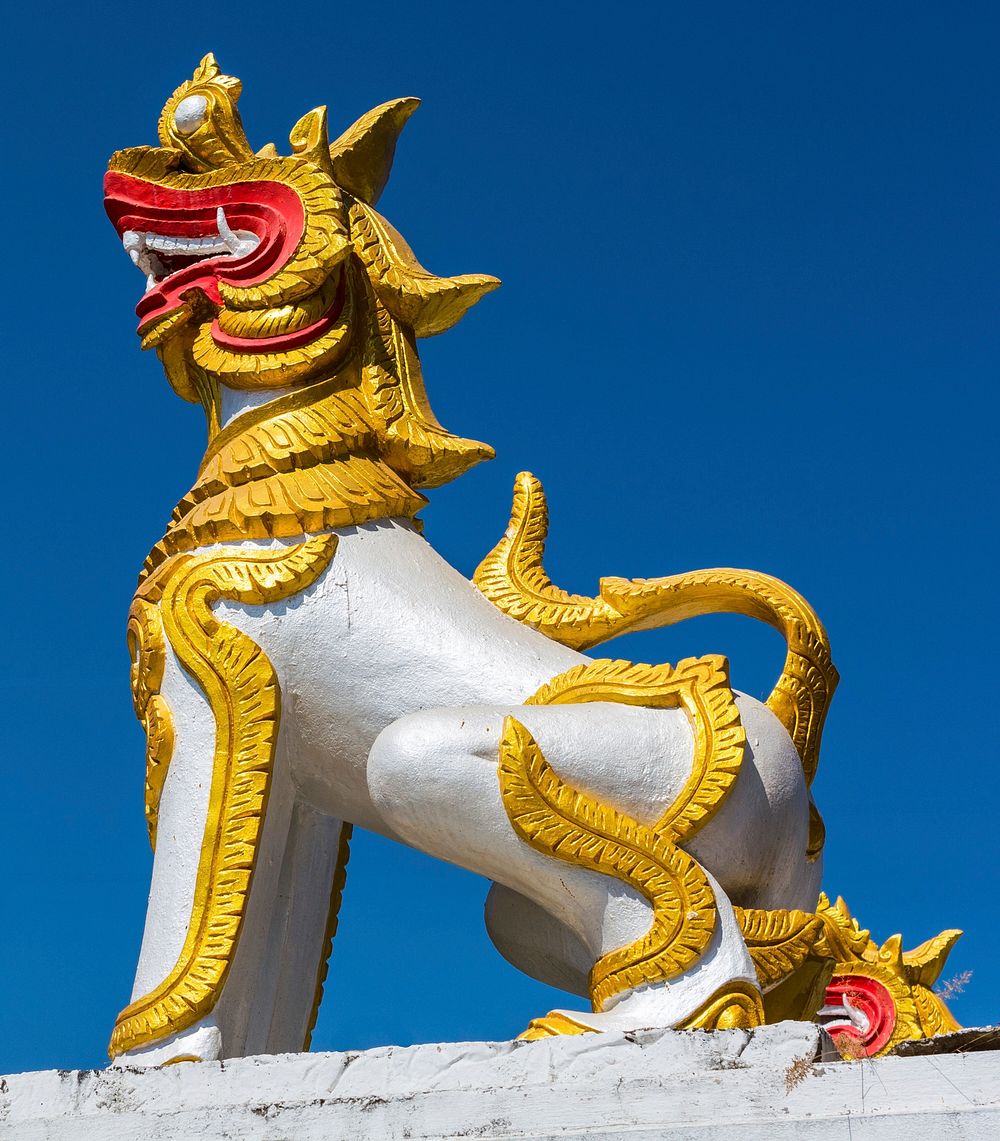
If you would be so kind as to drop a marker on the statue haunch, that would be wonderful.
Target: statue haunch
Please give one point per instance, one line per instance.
(304, 662)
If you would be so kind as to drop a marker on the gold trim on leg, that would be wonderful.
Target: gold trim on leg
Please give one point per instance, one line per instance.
(559, 820)
(734, 1006)
(555, 1024)
(242, 689)
(333, 915)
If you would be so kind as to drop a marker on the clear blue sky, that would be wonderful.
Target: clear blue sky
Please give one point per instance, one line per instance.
(749, 318)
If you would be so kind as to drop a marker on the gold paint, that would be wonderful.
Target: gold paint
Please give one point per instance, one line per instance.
(411, 439)
(735, 1006)
(417, 299)
(283, 319)
(559, 820)
(513, 577)
(907, 975)
(362, 157)
(242, 691)
(779, 941)
(147, 646)
(336, 897)
(791, 960)
(305, 462)
(220, 138)
(553, 1025)
(797, 953)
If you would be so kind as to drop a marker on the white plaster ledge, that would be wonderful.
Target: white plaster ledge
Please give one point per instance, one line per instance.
(688, 1086)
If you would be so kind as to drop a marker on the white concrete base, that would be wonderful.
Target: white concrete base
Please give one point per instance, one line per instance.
(645, 1086)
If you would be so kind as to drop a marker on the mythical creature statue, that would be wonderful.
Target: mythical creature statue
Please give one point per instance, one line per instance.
(304, 662)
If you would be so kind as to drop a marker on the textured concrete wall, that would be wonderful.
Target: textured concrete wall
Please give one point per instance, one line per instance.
(771, 1083)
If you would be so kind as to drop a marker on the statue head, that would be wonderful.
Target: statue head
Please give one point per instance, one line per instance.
(269, 271)
(880, 996)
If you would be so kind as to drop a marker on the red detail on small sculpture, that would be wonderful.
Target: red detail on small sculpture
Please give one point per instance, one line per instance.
(874, 1001)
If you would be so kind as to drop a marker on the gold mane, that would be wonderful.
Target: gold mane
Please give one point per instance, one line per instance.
(356, 435)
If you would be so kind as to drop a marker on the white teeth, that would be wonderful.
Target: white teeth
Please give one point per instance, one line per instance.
(163, 244)
(845, 1017)
(142, 247)
(239, 242)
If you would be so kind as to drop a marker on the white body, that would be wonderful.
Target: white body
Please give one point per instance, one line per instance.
(396, 675)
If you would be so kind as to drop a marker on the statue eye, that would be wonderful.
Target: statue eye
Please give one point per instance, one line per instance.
(190, 113)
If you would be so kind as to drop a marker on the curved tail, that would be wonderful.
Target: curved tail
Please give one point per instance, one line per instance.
(512, 576)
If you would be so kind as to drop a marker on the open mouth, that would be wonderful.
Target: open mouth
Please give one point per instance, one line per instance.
(159, 256)
(836, 1017)
(183, 239)
(859, 1009)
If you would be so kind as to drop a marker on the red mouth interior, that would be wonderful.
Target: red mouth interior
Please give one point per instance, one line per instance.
(874, 1001)
(269, 210)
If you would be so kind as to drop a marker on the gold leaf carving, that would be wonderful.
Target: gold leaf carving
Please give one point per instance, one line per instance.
(147, 646)
(512, 576)
(734, 1006)
(925, 963)
(423, 302)
(779, 941)
(555, 818)
(410, 438)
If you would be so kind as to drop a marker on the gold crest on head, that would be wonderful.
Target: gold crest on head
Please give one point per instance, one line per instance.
(201, 120)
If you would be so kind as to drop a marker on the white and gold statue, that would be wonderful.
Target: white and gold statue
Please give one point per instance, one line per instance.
(304, 662)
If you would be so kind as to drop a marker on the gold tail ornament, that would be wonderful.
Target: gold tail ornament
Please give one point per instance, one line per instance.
(513, 578)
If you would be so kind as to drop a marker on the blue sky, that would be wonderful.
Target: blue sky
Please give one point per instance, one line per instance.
(749, 318)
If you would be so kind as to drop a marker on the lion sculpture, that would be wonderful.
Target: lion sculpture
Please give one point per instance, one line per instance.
(304, 662)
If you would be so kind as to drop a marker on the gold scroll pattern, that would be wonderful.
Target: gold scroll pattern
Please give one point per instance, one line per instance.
(242, 690)
(513, 578)
(736, 1005)
(559, 820)
(147, 646)
(305, 462)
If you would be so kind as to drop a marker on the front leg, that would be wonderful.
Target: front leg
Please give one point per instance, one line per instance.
(219, 974)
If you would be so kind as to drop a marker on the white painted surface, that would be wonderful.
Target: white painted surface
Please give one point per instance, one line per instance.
(683, 1086)
(396, 675)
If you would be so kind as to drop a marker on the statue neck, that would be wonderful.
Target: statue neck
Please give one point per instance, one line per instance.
(234, 402)
(288, 463)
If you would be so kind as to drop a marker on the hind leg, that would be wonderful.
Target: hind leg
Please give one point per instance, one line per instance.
(433, 777)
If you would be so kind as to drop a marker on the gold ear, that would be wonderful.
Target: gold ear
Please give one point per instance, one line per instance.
(362, 156)
(310, 139)
(924, 963)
